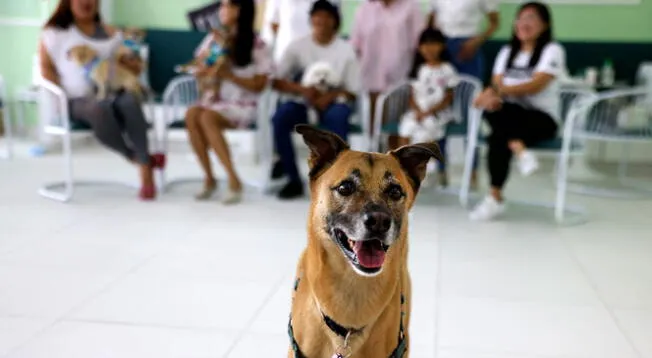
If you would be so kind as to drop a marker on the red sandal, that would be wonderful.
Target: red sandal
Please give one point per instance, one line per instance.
(158, 160)
(147, 192)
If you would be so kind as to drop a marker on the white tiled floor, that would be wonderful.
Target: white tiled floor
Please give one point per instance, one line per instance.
(108, 276)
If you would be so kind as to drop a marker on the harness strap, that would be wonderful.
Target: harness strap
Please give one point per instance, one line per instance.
(400, 350)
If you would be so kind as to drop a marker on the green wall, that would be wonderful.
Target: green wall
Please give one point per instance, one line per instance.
(572, 22)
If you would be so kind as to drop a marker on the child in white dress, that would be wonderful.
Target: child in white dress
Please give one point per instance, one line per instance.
(431, 96)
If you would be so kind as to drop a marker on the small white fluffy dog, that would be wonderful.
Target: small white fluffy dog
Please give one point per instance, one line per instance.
(320, 75)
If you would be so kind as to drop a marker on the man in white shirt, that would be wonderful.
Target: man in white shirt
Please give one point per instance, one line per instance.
(460, 21)
(334, 107)
(280, 28)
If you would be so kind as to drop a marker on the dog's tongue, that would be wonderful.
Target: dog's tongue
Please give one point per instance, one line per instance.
(370, 253)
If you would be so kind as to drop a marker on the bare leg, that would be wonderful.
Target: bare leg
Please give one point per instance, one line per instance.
(200, 147)
(402, 141)
(213, 125)
(516, 146)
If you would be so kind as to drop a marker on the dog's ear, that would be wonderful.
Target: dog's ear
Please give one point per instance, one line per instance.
(324, 147)
(414, 159)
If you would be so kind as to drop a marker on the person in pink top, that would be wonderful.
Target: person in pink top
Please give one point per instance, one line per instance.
(384, 35)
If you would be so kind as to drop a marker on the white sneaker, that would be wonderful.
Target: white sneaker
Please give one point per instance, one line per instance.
(527, 163)
(487, 210)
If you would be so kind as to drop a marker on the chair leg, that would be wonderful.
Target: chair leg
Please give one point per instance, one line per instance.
(9, 151)
(562, 180)
(65, 195)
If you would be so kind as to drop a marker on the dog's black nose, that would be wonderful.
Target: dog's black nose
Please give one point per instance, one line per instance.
(377, 222)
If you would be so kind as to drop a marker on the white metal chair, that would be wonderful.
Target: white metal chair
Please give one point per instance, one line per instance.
(620, 116)
(4, 109)
(59, 124)
(180, 94)
(392, 104)
(573, 101)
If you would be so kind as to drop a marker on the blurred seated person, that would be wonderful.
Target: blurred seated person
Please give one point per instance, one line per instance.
(333, 107)
(118, 121)
(243, 77)
(282, 27)
(522, 105)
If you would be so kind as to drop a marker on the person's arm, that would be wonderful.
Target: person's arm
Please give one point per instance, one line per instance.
(48, 70)
(431, 18)
(471, 46)
(443, 104)
(285, 67)
(550, 66)
(539, 82)
(357, 38)
(412, 103)
(255, 84)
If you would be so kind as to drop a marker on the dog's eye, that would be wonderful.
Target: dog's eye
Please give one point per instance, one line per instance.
(346, 188)
(395, 192)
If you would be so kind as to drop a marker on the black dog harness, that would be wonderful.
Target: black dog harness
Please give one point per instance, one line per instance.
(344, 332)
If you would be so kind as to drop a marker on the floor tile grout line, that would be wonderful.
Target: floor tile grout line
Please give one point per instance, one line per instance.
(438, 293)
(61, 318)
(266, 300)
(146, 325)
(603, 302)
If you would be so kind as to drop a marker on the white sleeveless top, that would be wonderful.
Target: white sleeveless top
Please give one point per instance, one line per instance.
(73, 79)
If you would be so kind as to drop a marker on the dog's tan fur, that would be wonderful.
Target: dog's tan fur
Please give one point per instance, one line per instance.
(326, 277)
(134, 34)
(121, 78)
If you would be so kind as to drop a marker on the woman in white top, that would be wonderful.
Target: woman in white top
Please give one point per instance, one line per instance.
(242, 79)
(522, 105)
(78, 22)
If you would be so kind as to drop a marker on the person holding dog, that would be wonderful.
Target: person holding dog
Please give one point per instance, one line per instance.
(434, 80)
(243, 77)
(522, 105)
(118, 121)
(334, 106)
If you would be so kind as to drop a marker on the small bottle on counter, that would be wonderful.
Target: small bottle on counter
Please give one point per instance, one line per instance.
(608, 75)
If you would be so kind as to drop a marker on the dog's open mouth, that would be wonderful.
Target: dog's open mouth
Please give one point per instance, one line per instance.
(367, 256)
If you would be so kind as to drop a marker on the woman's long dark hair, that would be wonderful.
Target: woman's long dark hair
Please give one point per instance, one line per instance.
(429, 35)
(243, 43)
(544, 38)
(63, 17)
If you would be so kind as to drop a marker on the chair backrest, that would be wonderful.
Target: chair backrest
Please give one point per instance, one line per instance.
(619, 115)
(180, 94)
(397, 100)
(465, 93)
(573, 96)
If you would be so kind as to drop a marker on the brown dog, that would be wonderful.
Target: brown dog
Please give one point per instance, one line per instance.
(352, 294)
(99, 71)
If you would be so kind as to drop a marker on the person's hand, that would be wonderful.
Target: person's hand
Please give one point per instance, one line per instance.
(224, 71)
(469, 49)
(483, 98)
(310, 94)
(323, 101)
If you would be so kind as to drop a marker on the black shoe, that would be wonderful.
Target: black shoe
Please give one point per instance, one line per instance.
(277, 170)
(291, 190)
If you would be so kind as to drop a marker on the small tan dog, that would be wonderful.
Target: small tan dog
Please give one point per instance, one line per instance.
(99, 71)
(133, 41)
(352, 292)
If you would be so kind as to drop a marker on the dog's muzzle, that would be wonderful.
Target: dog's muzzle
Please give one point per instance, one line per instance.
(365, 245)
